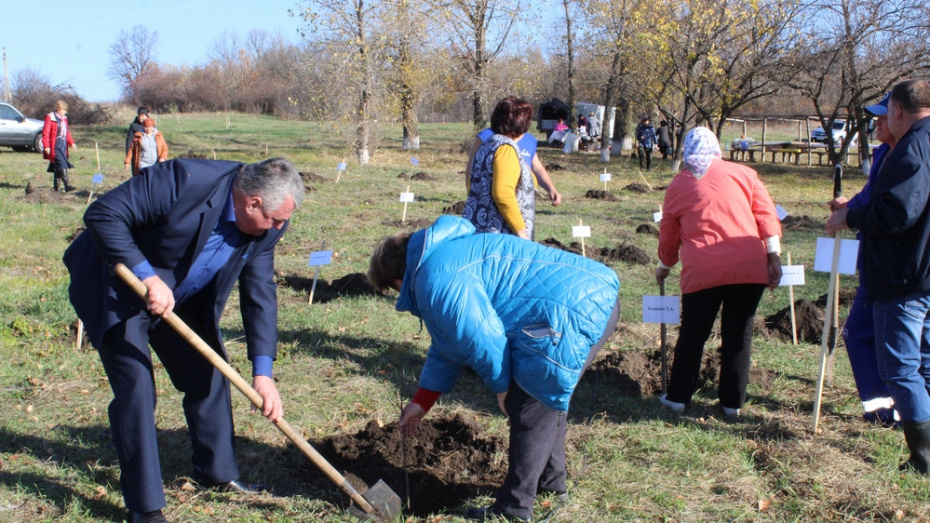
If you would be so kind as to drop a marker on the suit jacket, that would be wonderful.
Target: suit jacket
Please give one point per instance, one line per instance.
(165, 216)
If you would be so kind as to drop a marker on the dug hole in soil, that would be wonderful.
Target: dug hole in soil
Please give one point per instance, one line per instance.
(354, 284)
(448, 460)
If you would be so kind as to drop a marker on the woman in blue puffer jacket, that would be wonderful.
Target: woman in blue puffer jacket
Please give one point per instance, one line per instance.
(525, 317)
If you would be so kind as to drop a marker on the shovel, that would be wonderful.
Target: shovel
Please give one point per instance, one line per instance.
(379, 503)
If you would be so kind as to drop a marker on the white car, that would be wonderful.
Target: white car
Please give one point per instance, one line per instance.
(19, 132)
(839, 133)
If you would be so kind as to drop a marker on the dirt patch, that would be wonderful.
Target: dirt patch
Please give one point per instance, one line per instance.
(627, 252)
(597, 194)
(801, 223)
(575, 247)
(355, 284)
(422, 176)
(409, 224)
(48, 195)
(77, 232)
(554, 167)
(449, 460)
(807, 316)
(639, 374)
(846, 298)
(637, 187)
(312, 177)
(191, 154)
(648, 228)
(456, 208)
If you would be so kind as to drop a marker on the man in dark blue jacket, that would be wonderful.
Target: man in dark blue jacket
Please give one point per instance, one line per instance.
(189, 229)
(895, 223)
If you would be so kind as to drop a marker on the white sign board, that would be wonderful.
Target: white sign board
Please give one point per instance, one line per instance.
(661, 309)
(341, 166)
(581, 231)
(791, 275)
(782, 213)
(657, 216)
(406, 197)
(98, 178)
(320, 258)
(605, 177)
(849, 251)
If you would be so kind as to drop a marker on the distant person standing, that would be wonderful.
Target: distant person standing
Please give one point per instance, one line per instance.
(665, 140)
(136, 126)
(646, 138)
(56, 137)
(594, 125)
(148, 147)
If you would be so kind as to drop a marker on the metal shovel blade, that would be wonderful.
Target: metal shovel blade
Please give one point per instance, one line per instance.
(386, 502)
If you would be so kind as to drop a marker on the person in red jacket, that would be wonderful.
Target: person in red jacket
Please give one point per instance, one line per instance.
(56, 137)
(720, 221)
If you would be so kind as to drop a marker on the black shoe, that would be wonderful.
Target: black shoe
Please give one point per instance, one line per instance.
(147, 517)
(237, 486)
(70, 188)
(560, 495)
(489, 514)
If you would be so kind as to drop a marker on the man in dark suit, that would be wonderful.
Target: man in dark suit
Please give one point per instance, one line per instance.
(189, 229)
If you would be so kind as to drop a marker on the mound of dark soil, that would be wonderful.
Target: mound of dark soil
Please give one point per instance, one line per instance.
(552, 242)
(801, 223)
(422, 176)
(647, 228)
(597, 194)
(448, 460)
(29, 188)
(807, 316)
(637, 187)
(846, 298)
(403, 176)
(355, 284)
(409, 224)
(49, 195)
(191, 154)
(77, 232)
(660, 188)
(312, 177)
(627, 252)
(639, 374)
(554, 167)
(456, 208)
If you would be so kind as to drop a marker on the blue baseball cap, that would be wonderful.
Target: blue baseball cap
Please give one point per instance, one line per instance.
(881, 108)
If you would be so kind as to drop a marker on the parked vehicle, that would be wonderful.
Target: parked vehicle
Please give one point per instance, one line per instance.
(840, 128)
(19, 132)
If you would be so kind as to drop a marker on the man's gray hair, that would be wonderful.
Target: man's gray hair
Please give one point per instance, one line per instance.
(272, 180)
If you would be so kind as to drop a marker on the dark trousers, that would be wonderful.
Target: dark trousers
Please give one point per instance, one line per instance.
(128, 363)
(698, 312)
(537, 445)
(645, 153)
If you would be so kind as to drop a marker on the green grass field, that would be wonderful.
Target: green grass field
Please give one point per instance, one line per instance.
(629, 460)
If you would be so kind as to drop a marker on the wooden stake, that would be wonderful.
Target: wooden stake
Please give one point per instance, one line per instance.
(316, 276)
(338, 170)
(403, 218)
(80, 335)
(794, 325)
(97, 150)
(214, 153)
(582, 239)
(828, 325)
(605, 181)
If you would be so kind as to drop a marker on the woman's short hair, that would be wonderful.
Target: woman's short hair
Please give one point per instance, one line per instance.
(511, 117)
(389, 261)
(61, 105)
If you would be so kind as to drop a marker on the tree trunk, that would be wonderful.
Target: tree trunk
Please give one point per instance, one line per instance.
(571, 66)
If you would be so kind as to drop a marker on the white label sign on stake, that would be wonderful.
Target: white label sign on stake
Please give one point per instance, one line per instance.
(657, 216)
(781, 212)
(98, 178)
(849, 251)
(406, 197)
(792, 275)
(581, 231)
(605, 177)
(341, 166)
(661, 309)
(320, 258)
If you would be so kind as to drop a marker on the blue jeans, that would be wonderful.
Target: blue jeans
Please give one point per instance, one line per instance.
(902, 339)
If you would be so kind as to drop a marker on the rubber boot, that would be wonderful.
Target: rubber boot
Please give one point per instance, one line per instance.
(55, 176)
(64, 178)
(917, 436)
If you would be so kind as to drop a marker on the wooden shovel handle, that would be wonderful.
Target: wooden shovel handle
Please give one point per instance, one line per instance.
(236, 379)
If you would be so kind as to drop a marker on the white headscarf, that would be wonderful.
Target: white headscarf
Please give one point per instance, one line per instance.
(701, 146)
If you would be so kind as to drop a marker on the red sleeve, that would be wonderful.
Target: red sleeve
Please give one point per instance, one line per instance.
(426, 398)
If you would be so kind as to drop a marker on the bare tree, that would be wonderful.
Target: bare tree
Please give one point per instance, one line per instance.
(570, 59)
(479, 31)
(132, 57)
